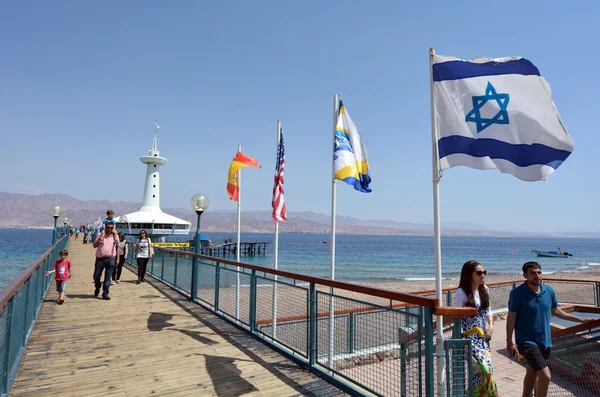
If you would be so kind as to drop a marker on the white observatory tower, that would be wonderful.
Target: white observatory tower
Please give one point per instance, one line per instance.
(150, 217)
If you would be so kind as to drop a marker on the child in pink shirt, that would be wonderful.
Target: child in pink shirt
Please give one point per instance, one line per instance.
(62, 270)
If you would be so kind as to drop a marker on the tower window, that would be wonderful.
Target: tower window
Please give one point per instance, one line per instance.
(153, 185)
(155, 175)
(154, 165)
(153, 196)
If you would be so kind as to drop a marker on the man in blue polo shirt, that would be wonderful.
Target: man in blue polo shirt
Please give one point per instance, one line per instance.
(530, 307)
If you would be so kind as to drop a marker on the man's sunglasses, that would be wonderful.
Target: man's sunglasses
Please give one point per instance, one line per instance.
(481, 272)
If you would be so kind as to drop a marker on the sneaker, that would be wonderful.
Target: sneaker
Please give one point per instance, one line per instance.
(112, 283)
(137, 282)
(106, 298)
(118, 281)
(60, 301)
(97, 291)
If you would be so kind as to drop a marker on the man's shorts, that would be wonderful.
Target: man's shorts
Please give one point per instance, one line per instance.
(61, 285)
(536, 357)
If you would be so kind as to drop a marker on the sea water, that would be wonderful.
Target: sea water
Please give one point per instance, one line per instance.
(359, 258)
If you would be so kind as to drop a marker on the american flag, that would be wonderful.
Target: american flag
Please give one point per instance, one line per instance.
(278, 203)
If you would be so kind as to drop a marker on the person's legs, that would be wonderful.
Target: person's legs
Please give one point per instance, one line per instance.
(120, 267)
(543, 382)
(61, 292)
(140, 263)
(109, 266)
(98, 268)
(538, 373)
(145, 265)
(529, 381)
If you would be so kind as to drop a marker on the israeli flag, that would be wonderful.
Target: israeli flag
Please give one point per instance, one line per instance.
(497, 113)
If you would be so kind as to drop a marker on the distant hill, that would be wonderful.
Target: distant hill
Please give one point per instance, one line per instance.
(23, 210)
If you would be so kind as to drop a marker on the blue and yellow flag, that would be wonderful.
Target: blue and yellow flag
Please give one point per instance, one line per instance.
(350, 161)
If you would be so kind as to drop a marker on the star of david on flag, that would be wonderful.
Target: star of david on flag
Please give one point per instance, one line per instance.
(497, 114)
(479, 101)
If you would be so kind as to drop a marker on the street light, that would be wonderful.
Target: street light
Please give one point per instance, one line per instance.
(66, 222)
(123, 220)
(199, 204)
(55, 211)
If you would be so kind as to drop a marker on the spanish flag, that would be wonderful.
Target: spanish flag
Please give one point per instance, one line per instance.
(239, 161)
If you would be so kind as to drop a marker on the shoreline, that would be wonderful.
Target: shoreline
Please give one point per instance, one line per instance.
(591, 274)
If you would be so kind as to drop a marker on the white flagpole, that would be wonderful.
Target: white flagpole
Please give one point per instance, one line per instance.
(332, 239)
(276, 254)
(237, 251)
(439, 346)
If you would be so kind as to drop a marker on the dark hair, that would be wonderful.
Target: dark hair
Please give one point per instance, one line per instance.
(121, 235)
(143, 231)
(531, 265)
(65, 252)
(110, 212)
(466, 279)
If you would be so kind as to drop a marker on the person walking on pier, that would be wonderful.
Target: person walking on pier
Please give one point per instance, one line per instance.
(473, 292)
(530, 307)
(143, 253)
(106, 249)
(116, 276)
(62, 272)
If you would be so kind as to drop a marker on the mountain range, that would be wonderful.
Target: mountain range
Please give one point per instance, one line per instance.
(31, 211)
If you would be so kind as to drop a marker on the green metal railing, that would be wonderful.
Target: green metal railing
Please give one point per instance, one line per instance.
(364, 340)
(20, 303)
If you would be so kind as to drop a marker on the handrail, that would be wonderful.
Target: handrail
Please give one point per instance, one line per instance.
(570, 280)
(363, 289)
(576, 328)
(13, 287)
(463, 311)
(501, 283)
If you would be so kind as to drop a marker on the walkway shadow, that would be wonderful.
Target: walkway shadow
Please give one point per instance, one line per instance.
(249, 347)
(159, 321)
(81, 296)
(196, 336)
(225, 368)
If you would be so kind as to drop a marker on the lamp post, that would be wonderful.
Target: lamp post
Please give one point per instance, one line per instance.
(65, 222)
(199, 204)
(55, 211)
(123, 220)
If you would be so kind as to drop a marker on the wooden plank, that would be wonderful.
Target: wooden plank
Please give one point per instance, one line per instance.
(147, 340)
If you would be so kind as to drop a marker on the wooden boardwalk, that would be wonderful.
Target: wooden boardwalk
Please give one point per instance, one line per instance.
(148, 340)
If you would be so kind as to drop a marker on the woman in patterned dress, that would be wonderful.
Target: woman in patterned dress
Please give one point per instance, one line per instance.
(473, 292)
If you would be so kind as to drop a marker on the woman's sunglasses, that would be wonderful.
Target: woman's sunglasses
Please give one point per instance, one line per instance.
(481, 272)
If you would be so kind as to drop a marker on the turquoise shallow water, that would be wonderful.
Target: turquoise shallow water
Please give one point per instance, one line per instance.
(358, 258)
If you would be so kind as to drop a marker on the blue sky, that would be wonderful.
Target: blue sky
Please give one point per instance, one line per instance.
(81, 84)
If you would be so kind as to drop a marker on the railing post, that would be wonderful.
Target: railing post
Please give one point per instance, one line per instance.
(429, 351)
(252, 312)
(28, 282)
(162, 267)
(402, 369)
(217, 283)
(7, 332)
(597, 293)
(351, 322)
(456, 329)
(449, 298)
(152, 266)
(312, 346)
(175, 270)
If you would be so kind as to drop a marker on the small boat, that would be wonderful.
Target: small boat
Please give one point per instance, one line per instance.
(552, 254)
